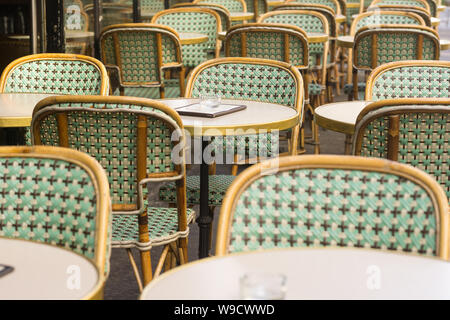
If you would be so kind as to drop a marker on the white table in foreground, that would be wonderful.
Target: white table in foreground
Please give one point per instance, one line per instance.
(16, 108)
(42, 271)
(347, 42)
(257, 115)
(322, 273)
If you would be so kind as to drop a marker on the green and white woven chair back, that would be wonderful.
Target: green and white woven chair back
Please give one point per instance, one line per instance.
(393, 44)
(200, 22)
(307, 22)
(381, 18)
(333, 5)
(411, 3)
(134, 49)
(248, 81)
(224, 14)
(325, 11)
(412, 82)
(423, 140)
(54, 75)
(320, 207)
(48, 200)
(109, 133)
(152, 5)
(258, 42)
(231, 5)
(251, 6)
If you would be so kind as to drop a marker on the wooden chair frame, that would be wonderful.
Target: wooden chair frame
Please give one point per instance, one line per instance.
(104, 87)
(368, 31)
(423, 13)
(173, 120)
(195, 9)
(338, 10)
(247, 177)
(114, 30)
(101, 185)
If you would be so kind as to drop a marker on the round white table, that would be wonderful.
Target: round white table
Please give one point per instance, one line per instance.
(257, 116)
(192, 37)
(42, 271)
(16, 108)
(340, 117)
(321, 273)
(347, 42)
(241, 16)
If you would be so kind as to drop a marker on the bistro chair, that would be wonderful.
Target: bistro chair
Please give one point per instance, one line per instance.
(328, 200)
(223, 12)
(200, 20)
(151, 6)
(60, 197)
(388, 43)
(280, 42)
(412, 131)
(231, 5)
(419, 7)
(58, 73)
(333, 4)
(139, 53)
(132, 139)
(311, 22)
(246, 79)
(329, 14)
(375, 18)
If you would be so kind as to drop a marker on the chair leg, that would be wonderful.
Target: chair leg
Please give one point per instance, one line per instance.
(135, 269)
(161, 261)
(211, 214)
(162, 92)
(182, 74)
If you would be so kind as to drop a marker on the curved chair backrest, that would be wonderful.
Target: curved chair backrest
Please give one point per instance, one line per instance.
(112, 13)
(201, 20)
(333, 4)
(58, 73)
(412, 131)
(327, 12)
(410, 3)
(409, 79)
(223, 12)
(250, 79)
(310, 21)
(231, 5)
(327, 200)
(57, 196)
(419, 11)
(130, 137)
(385, 17)
(268, 41)
(352, 8)
(140, 50)
(152, 5)
(388, 43)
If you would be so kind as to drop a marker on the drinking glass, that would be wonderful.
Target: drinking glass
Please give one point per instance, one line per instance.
(263, 286)
(210, 101)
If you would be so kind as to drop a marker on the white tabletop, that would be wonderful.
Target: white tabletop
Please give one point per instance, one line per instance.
(192, 37)
(42, 271)
(16, 108)
(322, 273)
(257, 115)
(241, 15)
(72, 35)
(339, 116)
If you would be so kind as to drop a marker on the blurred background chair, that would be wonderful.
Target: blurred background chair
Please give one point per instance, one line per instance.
(242, 79)
(387, 43)
(138, 55)
(199, 20)
(327, 200)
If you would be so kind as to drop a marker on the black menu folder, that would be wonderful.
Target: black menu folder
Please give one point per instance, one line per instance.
(198, 110)
(4, 270)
